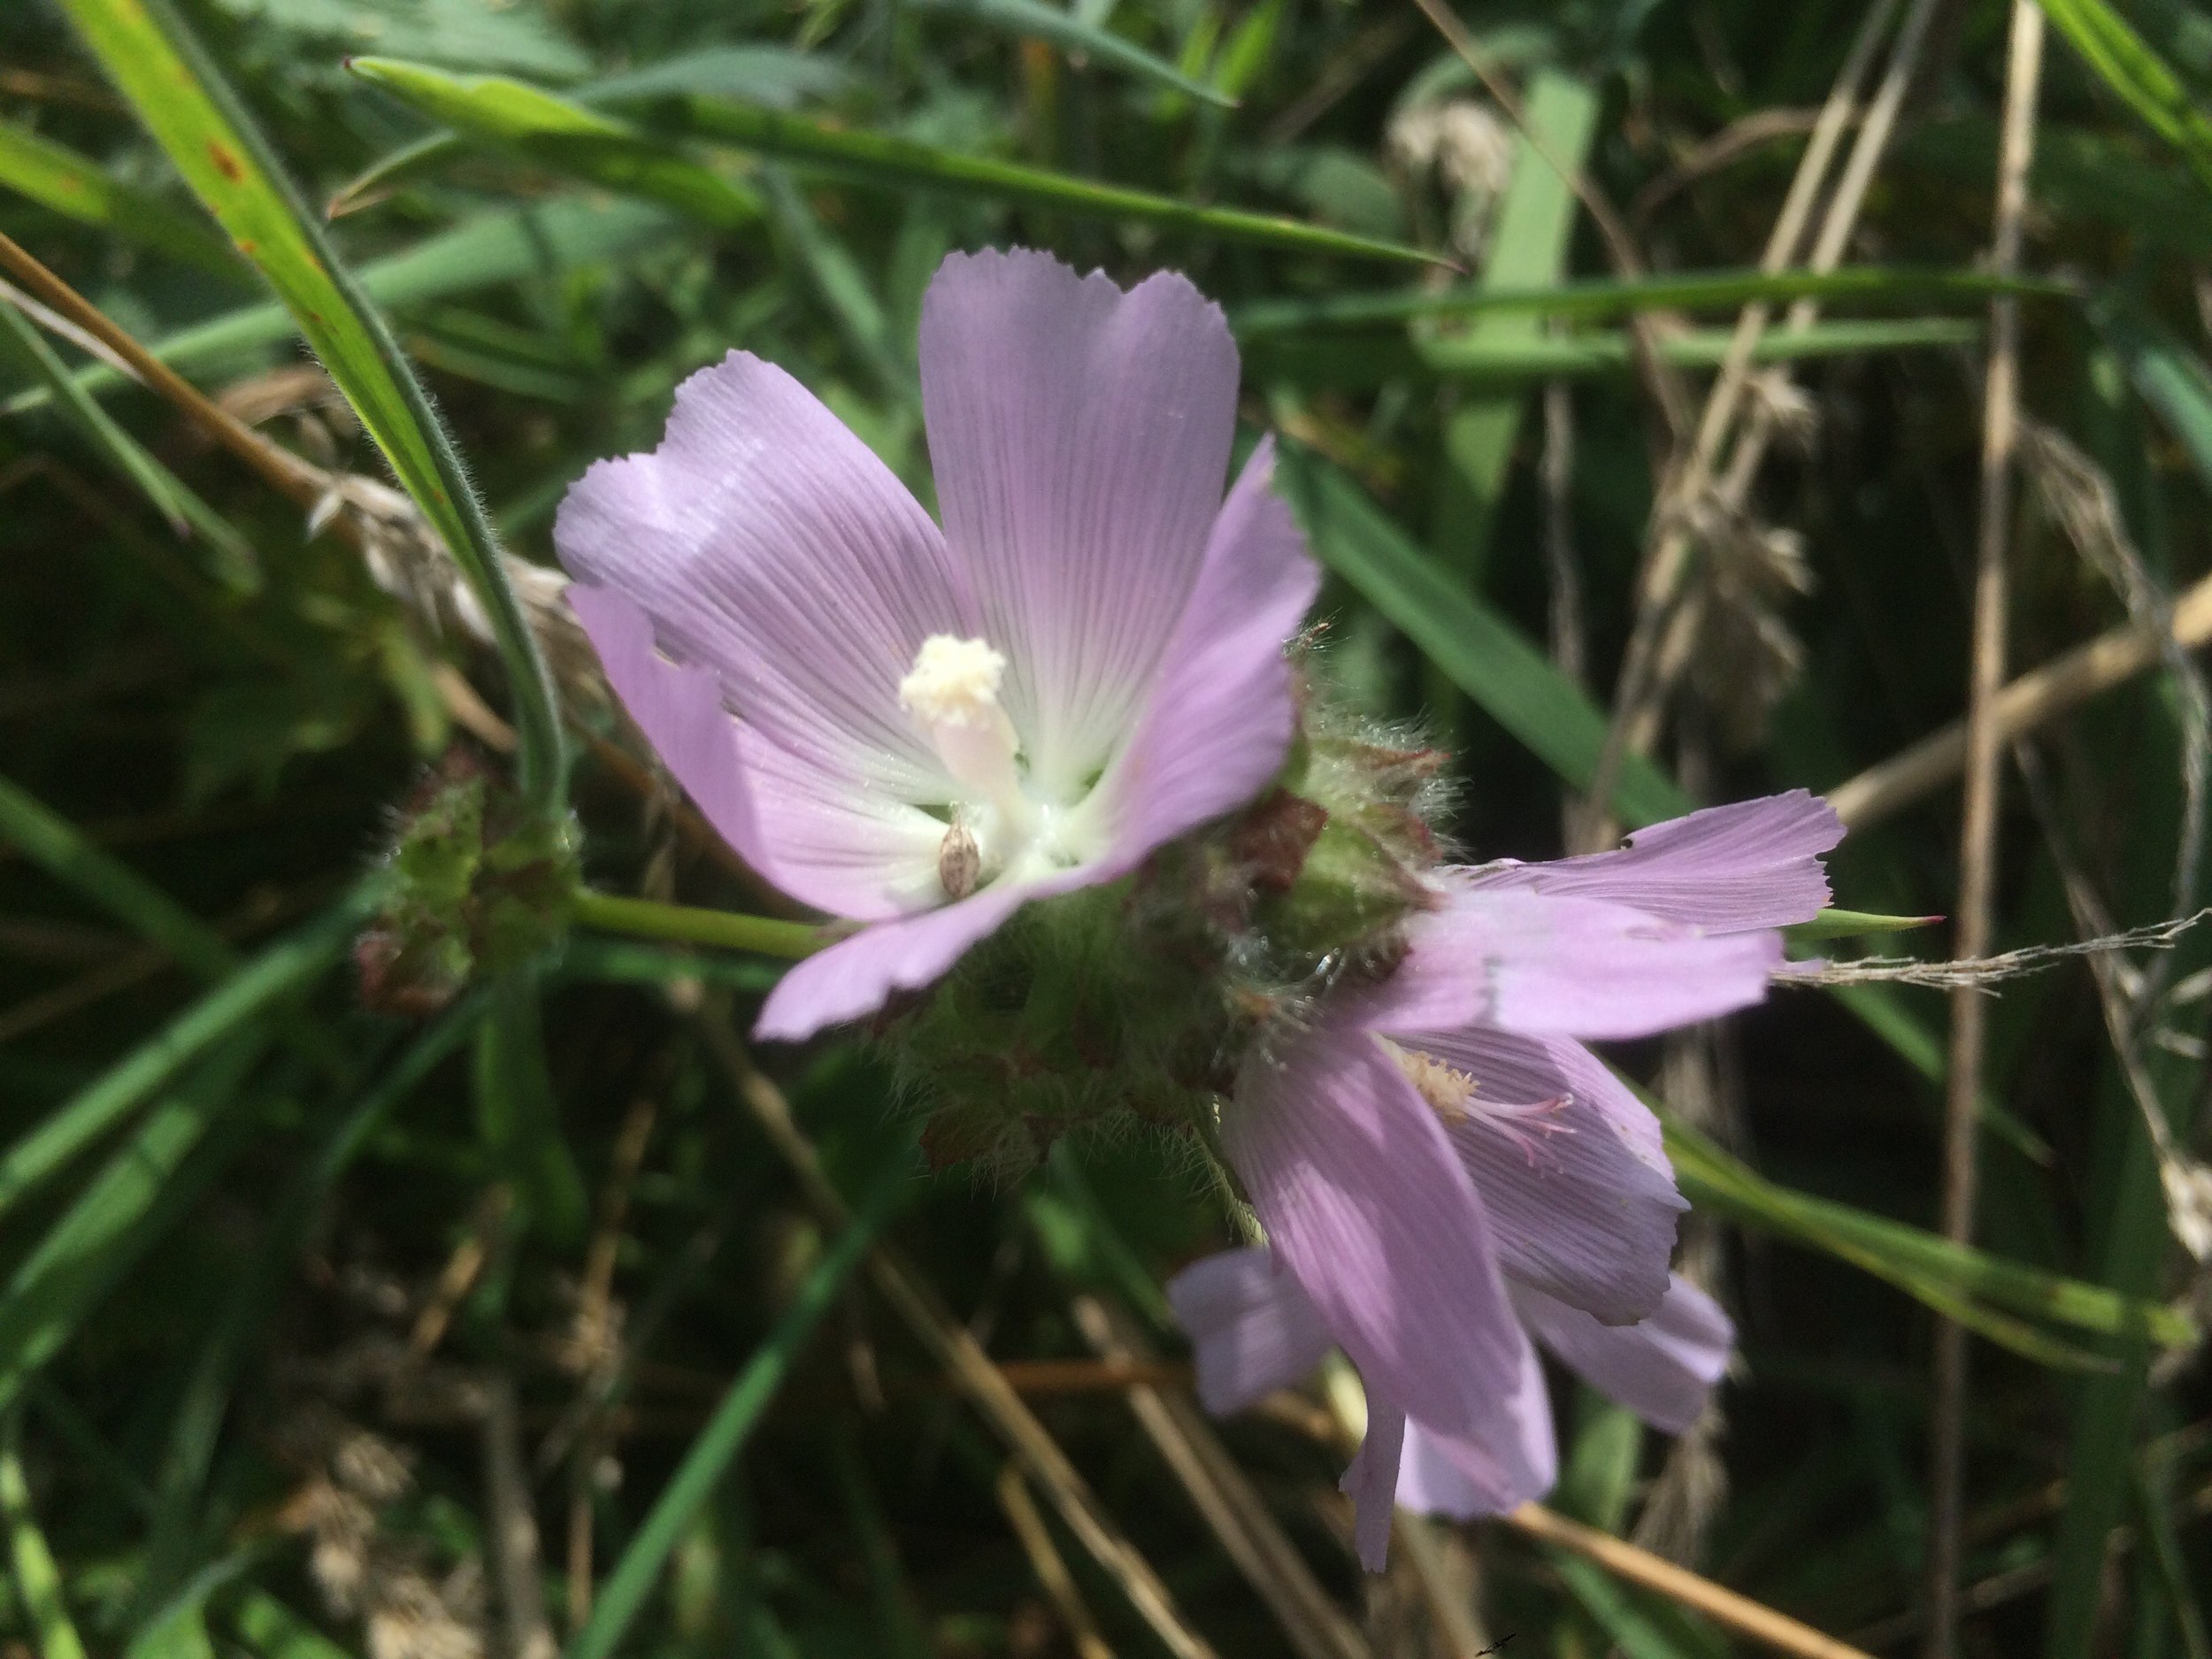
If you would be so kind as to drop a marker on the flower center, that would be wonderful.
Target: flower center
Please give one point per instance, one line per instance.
(952, 693)
(1452, 1094)
(998, 828)
(1447, 1089)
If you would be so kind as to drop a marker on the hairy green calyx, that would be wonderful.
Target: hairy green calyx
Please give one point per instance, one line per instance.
(1131, 1006)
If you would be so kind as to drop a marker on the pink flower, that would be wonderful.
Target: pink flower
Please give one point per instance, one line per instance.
(1256, 1331)
(1439, 1163)
(920, 730)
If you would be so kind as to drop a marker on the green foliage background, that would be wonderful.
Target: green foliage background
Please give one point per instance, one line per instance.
(306, 1309)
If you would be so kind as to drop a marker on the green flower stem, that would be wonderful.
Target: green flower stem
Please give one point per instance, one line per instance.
(724, 929)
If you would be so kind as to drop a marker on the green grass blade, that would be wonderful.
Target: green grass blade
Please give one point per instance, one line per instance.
(425, 158)
(198, 1418)
(1907, 1256)
(2165, 373)
(2137, 76)
(270, 1630)
(53, 843)
(734, 1419)
(1482, 654)
(1529, 244)
(1026, 19)
(187, 104)
(37, 1579)
(78, 188)
(562, 137)
(1351, 361)
(518, 116)
(1486, 358)
(280, 972)
(1607, 299)
(900, 165)
(235, 566)
(485, 252)
(144, 1188)
(1628, 1626)
(2169, 1561)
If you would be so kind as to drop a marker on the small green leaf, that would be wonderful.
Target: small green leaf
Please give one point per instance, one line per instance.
(1834, 924)
(563, 137)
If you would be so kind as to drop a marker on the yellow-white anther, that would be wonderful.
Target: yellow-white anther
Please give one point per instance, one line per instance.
(954, 682)
(952, 693)
(1447, 1089)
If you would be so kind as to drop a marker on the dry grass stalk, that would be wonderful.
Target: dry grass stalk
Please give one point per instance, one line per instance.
(1444, 1566)
(512, 1524)
(1978, 841)
(913, 1300)
(2075, 491)
(460, 1273)
(1044, 1560)
(1641, 695)
(2112, 658)
(1753, 1620)
(1314, 1625)
(1667, 389)
(1978, 972)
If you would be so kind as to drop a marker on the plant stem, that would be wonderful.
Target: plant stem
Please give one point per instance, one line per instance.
(726, 930)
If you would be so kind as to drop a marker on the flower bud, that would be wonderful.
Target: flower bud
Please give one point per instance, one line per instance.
(476, 887)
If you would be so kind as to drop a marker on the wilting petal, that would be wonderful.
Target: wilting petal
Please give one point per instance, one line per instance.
(815, 832)
(1080, 438)
(1252, 1330)
(1754, 863)
(1582, 1203)
(1569, 967)
(1367, 1205)
(1219, 716)
(1663, 1370)
(856, 977)
(769, 547)
(1442, 1475)
(1371, 1480)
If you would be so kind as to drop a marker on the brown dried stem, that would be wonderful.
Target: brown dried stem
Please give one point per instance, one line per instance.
(915, 1303)
(1669, 391)
(1313, 1623)
(2110, 659)
(1977, 843)
(1753, 1620)
(1044, 1560)
(1657, 649)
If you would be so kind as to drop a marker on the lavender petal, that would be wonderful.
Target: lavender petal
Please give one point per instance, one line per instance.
(1663, 1370)
(1080, 438)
